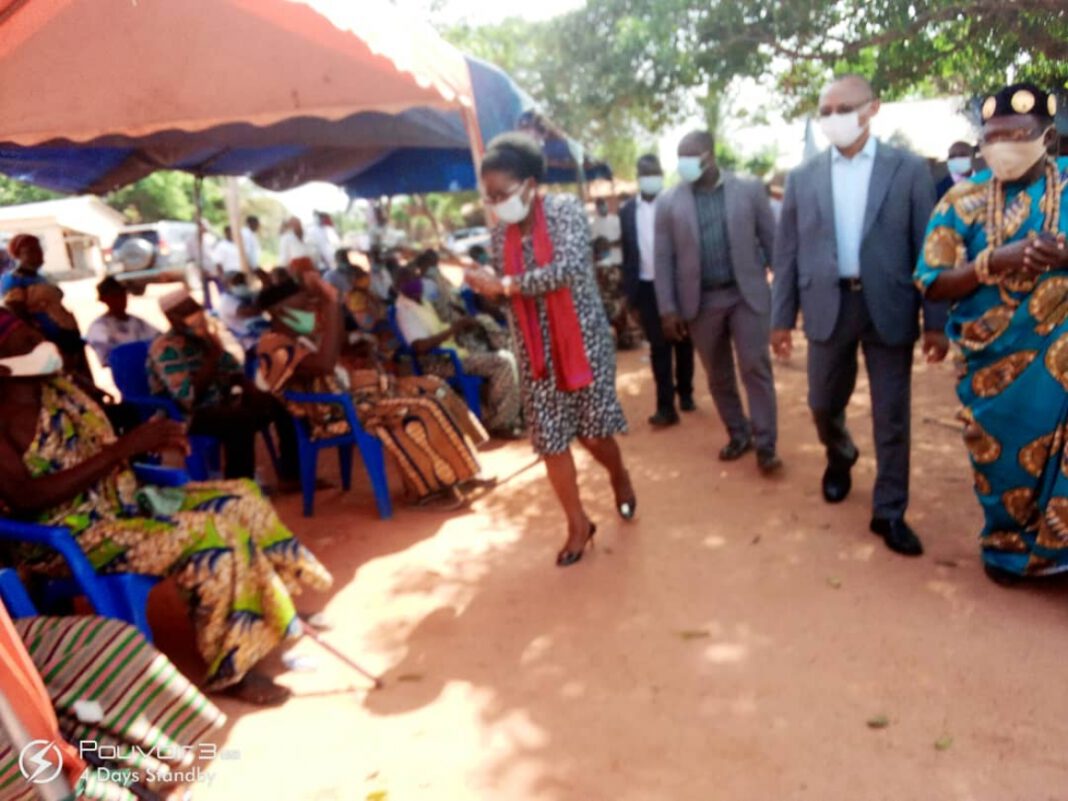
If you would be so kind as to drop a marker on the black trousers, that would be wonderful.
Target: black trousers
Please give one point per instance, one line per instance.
(236, 426)
(672, 361)
(832, 377)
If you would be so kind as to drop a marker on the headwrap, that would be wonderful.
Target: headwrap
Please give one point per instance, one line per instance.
(570, 362)
(1020, 99)
(172, 300)
(17, 241)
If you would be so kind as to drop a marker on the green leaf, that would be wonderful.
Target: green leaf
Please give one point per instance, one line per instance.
(944, 743)
(878, 722)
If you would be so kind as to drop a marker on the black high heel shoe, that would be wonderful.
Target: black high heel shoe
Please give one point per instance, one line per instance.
(567, 558)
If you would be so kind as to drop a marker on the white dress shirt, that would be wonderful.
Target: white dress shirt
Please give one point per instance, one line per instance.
(226, 255)
(323, 242)
(850, 179)
(646, 222)
(290, 247)
(252, 247)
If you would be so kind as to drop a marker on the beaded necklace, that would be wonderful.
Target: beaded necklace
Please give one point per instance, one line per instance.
(1050, 205)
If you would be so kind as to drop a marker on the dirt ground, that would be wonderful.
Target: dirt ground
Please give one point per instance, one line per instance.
(732, 644)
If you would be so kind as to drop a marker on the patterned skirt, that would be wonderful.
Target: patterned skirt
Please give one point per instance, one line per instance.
(233, 559)
(148, 720)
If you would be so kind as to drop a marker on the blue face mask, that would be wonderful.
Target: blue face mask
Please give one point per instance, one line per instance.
(651, 184)
(691, 168)
(300, 321)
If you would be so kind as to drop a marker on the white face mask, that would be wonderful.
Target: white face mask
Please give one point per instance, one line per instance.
(1011, 160)
(961, 165)
(651, 184)
(514, 209)
(43, 360)
(691, 168)
(843, 130)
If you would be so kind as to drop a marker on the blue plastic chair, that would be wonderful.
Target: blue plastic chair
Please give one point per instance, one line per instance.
(370, 450)
(467, 295)
(14, 595)
(469, 386)
(129, 371)
(119, 595)
(128, 368)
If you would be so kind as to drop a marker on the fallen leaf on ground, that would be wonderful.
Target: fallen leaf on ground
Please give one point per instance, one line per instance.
(410, 677)
(756, 539)
(946, 563)
(835, 582)
(694, 634)
(377, 795)
(878, 722)
(944, 743)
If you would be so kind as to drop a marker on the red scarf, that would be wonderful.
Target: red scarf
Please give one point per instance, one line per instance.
(569, 354)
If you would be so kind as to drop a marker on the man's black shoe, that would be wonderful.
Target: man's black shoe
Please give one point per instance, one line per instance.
(736, 449)
(687, 405)
(898, 536)
(838, 481)
(769, 462)
(664, 419)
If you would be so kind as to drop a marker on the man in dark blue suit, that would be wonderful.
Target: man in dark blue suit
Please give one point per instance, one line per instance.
(672, 361)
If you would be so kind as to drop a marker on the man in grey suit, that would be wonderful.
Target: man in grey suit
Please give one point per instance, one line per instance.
(714, 235)
(853, 223)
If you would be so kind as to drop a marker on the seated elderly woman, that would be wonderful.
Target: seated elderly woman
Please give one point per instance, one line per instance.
(39, 302)
(131, 712)
(61, 463)
(419, 421)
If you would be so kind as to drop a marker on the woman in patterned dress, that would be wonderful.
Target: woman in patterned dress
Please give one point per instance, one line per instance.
(996, 248)
(567, 362)
(61, 463)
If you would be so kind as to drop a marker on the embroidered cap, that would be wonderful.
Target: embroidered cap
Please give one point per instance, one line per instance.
(1019, 99)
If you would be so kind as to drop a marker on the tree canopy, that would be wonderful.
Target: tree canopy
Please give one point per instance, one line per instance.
(624, 69)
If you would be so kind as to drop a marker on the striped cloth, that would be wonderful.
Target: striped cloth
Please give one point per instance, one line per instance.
(152, 720)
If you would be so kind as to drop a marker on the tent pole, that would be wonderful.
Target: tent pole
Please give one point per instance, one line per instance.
(233, 206)
(198, 204)
(478, 147)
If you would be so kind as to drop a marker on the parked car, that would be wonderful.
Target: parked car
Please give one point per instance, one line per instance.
(156, 253)
(463, 239)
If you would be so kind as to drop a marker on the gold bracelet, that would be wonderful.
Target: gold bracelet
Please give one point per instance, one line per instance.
(982, 267)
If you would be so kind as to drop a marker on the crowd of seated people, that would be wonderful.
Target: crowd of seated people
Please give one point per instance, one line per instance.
(65, 460)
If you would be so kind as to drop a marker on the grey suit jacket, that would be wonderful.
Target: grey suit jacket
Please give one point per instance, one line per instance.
(750, 231)
(900, 199)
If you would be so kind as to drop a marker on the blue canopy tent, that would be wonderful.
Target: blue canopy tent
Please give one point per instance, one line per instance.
(370, 154)
(501, 106)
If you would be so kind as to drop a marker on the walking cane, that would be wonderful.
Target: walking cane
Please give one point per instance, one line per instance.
(341, 657)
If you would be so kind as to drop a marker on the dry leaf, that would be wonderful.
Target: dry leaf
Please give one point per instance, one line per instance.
(695, 634)
(410, 677)
(878, 722)
(377, 795)
(835, 582)
(944, 743)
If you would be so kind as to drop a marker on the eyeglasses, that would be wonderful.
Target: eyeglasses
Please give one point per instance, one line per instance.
(843, 108)
(494, 199)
